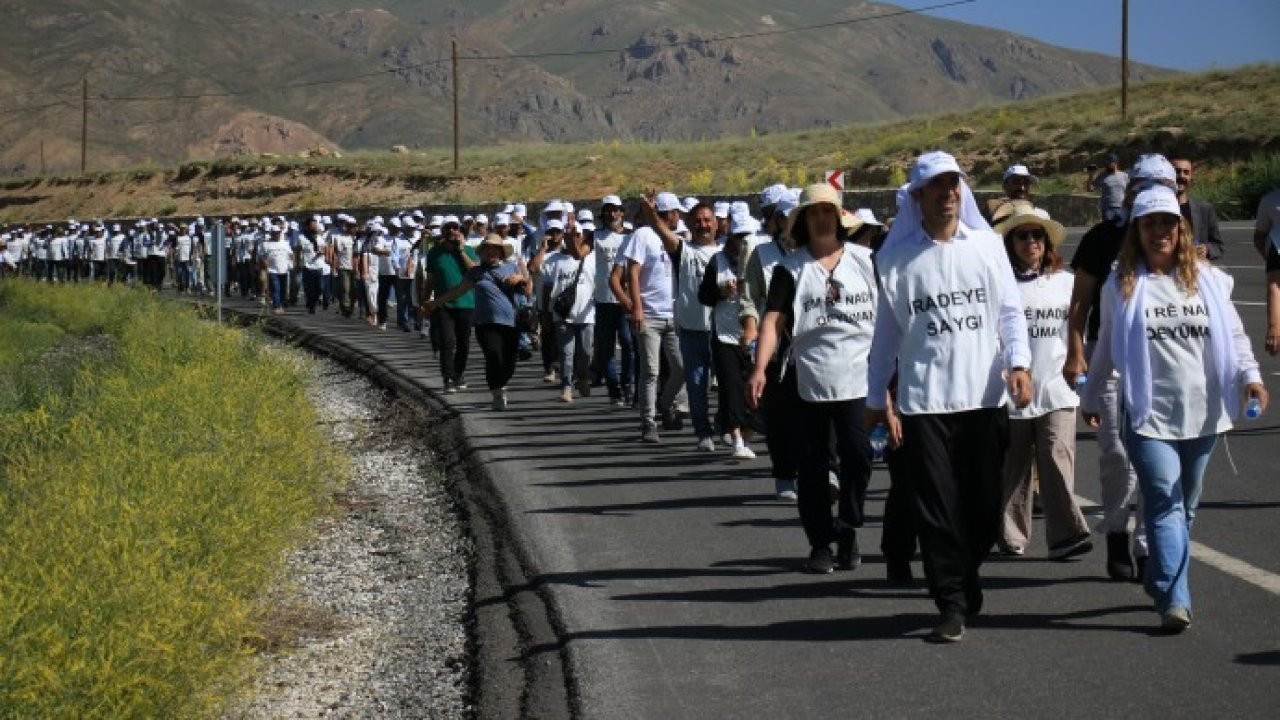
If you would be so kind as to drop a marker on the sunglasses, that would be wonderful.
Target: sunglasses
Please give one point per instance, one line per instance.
(1037, 235)
(834, 289)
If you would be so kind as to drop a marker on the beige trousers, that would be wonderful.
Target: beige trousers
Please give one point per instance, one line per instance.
(1049, 444)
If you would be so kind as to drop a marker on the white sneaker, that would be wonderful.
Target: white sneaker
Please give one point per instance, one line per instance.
(727, 439)
(566, 395)
(742, 452)
(549, 377)
(707, 444)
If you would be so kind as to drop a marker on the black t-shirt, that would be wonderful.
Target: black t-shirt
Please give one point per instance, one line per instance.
(1095, 256)
(1273, 259)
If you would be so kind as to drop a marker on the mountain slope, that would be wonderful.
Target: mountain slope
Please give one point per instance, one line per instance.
(633, 70)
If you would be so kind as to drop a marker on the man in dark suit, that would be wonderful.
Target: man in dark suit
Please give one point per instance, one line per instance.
(1200, 213)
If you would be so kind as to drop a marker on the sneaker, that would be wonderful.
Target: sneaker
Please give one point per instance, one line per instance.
(450, 388)
(650, 435)
(1009, 550)
(785, 489)
(584, 388)
(671, 421)
(628, 397)
(566, 395)
(618, 402)
(847, 556)
(819, 562)
(1119, 560)
(742, 452)
(950, 629)
(1070, 547)
(550, 377)
(707, 444)
(500, 399)
(727, 439)
(460, 384)
(1175, 619)
(382, 326)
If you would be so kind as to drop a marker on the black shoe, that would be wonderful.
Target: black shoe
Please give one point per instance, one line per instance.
(898, 573)
(1070, 547)
(847, 557)
(671, 421)
(1140, 568)
(950, 629)
(819, 562)
(523, 354)
(1119, 561)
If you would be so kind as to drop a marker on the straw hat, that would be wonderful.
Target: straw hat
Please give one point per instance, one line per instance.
(1034, 216)
(495, 240)
(815, 194)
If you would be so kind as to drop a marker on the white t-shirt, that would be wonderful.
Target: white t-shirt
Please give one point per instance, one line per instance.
(1185, 390)
(313, 255)
(558, 272)
(58, 250)
(1045, 301)
(646, 249)
(98, 248)
(725, 315)
(279, 256)
(385, 263)
(689, 313)
(608, 245)
(1268, 218)
(831, 329)
(342, 247)
(949, 321)
(401, 256)
(183, 247)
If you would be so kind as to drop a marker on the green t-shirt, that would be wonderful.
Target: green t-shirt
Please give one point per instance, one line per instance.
(447, 271)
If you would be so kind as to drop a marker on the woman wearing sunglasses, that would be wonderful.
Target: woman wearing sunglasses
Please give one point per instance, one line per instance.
(1186, 368)
(1043, 434)
(823, 296)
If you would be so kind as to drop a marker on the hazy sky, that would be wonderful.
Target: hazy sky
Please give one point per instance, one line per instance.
(1181, 34)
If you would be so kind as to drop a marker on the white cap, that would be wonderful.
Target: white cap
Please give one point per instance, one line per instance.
(585, 215)
(930, 165)
(743, 223)
(721, 209)
(587, 226)
(739, 207)
(611, 200)
(466, 218)
(410, 223)
(867, 217)
(788, 202)
(1154, 167)
(667, 202)
(419, 214)
(482, 218)
(555, 224)
(520, 210)
(293, 224)
(450, 219)
(682, 229)
(1019, 171)
(1156, 199)
(689, 202)
(502, 218)
(626, 225)
(555, 206)
(772, 194)
(395, 222)
(436, 221)
(115, 227)
(508, 208)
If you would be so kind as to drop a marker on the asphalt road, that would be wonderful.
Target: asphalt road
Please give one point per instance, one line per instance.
(675, 576)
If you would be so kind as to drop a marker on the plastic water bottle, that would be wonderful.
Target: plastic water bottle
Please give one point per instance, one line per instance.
(1254, 409)
(879, 439)
(1080, 381)
(751, 349)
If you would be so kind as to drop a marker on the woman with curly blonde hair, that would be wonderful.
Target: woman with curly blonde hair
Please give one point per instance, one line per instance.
(1185, 364)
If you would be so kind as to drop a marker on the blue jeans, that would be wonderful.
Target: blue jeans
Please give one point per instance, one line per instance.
(574, 341)
(613, 329)
(279, 288)
(695, 354)
(1171, 475)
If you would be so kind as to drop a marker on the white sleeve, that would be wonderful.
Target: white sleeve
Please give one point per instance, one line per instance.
(1101, 364)
(1013, 322)
(1249, 372)
(883, 361)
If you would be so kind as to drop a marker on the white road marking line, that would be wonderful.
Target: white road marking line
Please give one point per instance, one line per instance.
(1234, 567)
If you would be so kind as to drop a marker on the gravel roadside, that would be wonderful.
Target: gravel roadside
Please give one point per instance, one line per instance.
(372, 618)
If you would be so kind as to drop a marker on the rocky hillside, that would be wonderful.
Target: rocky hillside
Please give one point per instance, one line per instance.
(176, 79)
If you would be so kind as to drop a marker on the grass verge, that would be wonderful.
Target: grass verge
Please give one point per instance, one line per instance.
(153, 470)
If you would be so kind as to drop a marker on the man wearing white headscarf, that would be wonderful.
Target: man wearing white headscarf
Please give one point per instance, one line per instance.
(950, 323)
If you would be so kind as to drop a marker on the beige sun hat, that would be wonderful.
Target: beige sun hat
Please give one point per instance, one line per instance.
(495, 240)
(1033, 216)
(1007, 208)
(815, 194)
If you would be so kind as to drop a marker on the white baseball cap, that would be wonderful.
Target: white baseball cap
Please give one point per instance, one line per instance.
(447, 219)
(587, 226)
(419, 214)
(743, 223)
(721, 209)
(1019, 171)
(867, 217)
(436, 221)
(520, 210)
(689, 203)
(772, 194)
(1154, 167)
(395, 222)
(502, 218)
(585, 215)
(1156, 199)
(555, 224)
(410, 223)
(555, 206)
(611, 200)
(482, 218)
(666, 202)
(930, 165)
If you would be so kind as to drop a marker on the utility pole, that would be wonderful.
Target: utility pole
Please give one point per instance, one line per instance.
(1124, 60)
(455, 106)
(84, 124)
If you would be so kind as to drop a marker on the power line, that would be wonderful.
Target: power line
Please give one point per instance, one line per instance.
(723, 38)
(290, 86)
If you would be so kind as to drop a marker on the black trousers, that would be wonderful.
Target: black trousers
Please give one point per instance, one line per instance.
(955, 466)
(455, 340)
(779, 405)
(817, 423)
(386, 283)
(547, 343)
(311, 288)
(898, 533)
(731, 364)
(498, 343)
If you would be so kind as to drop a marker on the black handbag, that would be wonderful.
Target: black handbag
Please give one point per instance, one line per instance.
(562, 305)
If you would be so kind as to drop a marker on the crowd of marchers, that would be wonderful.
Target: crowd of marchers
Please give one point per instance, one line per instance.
(953, 342)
